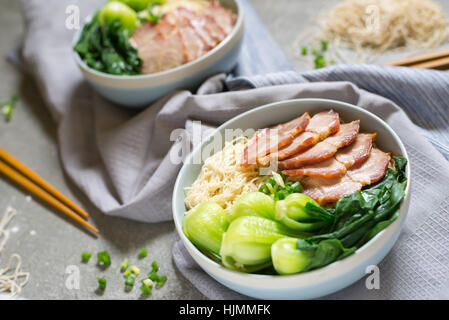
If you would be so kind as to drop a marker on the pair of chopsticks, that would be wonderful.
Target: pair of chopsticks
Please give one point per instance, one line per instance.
(438, 60)
(25, 177)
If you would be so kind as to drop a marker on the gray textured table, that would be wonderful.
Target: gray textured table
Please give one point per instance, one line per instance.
(47, 242)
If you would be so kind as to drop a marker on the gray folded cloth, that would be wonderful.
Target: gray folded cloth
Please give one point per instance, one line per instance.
(120, 158)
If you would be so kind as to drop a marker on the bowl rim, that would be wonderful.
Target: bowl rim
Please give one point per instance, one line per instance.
(320, 275)
(236, 29)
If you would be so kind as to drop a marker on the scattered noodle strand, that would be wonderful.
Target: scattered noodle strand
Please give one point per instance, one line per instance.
(12, 279)
(222, 179)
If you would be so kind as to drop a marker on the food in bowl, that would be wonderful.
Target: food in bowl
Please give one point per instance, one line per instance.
(133, 37)
(332, 190)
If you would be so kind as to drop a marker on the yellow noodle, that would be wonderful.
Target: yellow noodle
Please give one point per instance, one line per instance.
(222, 179)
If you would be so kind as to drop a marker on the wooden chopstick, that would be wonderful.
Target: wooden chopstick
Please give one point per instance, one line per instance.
(431, 60)
(41, 193)
(30, 174)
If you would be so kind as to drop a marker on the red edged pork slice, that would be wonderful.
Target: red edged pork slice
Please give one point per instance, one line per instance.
(222, 17)
(198, 23)
(329, 168)
(357, 152)
(324, 124)
(193, 45)
(324, 149)
(345, 136)
(324, 190)
(372, 170)
(147, 40)
(272, 139)
(300, 143)
(172, 53)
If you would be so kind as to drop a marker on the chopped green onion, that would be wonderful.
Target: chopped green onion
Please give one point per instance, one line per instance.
(323, 45)
(127, 273)
(143, 253)
(154, 266)
(85, 256)
(320, 62)
(101, 283)
(146, 290)
(124, 265)
(148, 282)
(8, 107)
(304, 50)
(278, 178)
(161, 281)
(153, 276)
(130, 280)
(135, 270)
(104, 258)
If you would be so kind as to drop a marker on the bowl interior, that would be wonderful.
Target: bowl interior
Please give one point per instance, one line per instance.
(271, 114)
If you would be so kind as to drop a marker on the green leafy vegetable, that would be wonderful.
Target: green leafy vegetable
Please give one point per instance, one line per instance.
(107, 49)
(295, 213)
(8, 108)
(358, 217)
(85, 256)
(104, 258)
(304, 50)
(116, 11)
(252, 204)
(101, 283)
(247, 243)
(204, 225)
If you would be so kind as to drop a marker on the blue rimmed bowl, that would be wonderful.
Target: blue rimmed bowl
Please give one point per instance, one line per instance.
(140, 90)
(319, 282)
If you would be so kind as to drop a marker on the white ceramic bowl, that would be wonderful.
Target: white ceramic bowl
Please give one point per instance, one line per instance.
(319, 282)
(140, 90)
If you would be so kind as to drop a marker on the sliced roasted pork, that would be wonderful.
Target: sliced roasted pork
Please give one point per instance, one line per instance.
(182, 35)
(324, 124)
(330, 190)
(372, 170)
(222, 17)
(324, 149)
(325, 190)
(352, 155)
(329, 168)
(356, 153)
(321, 125)
(271, 139)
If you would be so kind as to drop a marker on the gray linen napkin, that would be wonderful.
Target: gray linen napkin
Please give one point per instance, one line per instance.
(119, 158)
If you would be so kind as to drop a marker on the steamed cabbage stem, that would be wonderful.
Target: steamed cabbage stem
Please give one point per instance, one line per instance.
(205, 225)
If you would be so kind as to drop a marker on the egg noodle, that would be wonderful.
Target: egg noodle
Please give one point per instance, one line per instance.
(222, 179)
(371, 27)
(12, 279)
